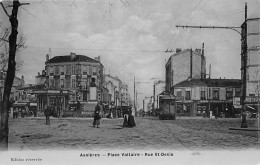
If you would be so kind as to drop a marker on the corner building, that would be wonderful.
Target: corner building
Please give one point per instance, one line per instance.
(70, 77)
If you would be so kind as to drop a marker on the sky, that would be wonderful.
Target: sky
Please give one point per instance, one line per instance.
(131, 35)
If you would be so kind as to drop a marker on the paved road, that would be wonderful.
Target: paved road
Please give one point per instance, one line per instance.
(149, 134)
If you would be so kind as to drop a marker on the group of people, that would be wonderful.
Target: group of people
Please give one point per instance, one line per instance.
(128, 118)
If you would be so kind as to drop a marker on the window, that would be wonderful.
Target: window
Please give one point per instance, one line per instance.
(68, 83)
(73, 83)
(229, 93)
(203, 95)
(178, 93)
(51, 70)
(62, 70)
(187, 96)
(68, 69)
(57, 83)
(94, 70)
(85, 71)
(73, 70)
(216, 94)
(238, 93)
(62, 83)
(90, 70)
(51, 82)
(57, 70)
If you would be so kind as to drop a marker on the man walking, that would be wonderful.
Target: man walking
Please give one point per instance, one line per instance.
(47, 113)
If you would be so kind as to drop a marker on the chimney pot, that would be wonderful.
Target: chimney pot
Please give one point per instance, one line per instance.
(198, 51)
(47, 57)
(178, 50)
(72, 55)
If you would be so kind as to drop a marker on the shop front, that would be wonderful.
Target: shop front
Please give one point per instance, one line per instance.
(56, 99)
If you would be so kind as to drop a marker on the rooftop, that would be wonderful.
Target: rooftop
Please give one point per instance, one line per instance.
(69, 58)
(210, 83)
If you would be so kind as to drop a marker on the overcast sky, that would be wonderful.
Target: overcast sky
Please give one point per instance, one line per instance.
(131, 37)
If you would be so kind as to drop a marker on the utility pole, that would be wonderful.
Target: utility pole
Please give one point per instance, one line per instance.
(153, 96)
(134, 94)
(243, 34)
(191, 63)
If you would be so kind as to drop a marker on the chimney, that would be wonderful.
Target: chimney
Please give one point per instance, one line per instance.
(198, 51)
(202, 60)
(178, 50)
(47, 57)
(97, 58)
(22, 77)
(72, 56)
(43, 72)
(39, 74)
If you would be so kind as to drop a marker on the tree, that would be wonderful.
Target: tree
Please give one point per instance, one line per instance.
(4, 49)
(10, 74)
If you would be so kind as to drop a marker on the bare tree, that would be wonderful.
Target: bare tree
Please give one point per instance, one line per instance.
(12, 40)
(4, 49)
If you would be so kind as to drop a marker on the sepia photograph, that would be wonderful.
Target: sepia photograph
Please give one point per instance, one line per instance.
(129, 82)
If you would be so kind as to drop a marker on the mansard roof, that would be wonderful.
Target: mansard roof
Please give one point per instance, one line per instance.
(69, 58)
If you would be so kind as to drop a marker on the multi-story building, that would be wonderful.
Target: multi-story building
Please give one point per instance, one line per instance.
(17, 83)
(184, 65)
(200, 96)
(124, 95)
(114, 85)
(69, 80)
(253, 59)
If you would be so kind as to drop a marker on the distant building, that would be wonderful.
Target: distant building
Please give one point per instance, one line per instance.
(17, 83)
(124, 95)
(195, 97)
(183, 65)
(159, 87)
(114, 87)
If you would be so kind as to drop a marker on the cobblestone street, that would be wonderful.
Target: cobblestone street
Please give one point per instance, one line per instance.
(190, 134)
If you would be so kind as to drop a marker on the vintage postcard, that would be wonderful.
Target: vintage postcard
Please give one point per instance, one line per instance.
(129, 82)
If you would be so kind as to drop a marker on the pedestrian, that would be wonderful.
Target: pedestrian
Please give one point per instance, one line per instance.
(131, 119)
(97, 116)
(125, 123)
(47, 113)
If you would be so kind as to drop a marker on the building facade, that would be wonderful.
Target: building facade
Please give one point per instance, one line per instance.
(17, 83)
(115, 89)
(69, 81)
(184, 65)
(208, 97)
(253, 59)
